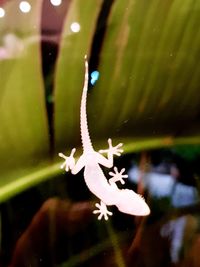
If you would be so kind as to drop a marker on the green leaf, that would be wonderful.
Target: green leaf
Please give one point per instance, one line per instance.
(24, 140)
(149, 72)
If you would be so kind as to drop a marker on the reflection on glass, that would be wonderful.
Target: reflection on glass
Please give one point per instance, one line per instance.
(56, 2)
(25, 7)
(12, 46)
(94, 77)
(75, 27)
(2, 12)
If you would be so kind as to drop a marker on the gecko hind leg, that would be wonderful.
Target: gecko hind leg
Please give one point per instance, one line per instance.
(102, 211)
(117, 176)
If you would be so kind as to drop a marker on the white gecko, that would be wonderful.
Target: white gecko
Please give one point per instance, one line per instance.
(126, 200)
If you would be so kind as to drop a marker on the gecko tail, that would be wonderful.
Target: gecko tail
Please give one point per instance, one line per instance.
(131, 203)
(85, 137)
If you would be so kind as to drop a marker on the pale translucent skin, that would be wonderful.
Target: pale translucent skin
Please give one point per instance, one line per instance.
(126, 200)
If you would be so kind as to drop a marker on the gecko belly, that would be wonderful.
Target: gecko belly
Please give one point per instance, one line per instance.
(127, 201)
(98, 184)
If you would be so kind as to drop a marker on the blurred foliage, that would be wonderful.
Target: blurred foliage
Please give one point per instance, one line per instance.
(188, 152)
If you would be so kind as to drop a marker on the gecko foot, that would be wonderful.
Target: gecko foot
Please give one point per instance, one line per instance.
(114, 150)
(69, 161)
(117, 176)
(102, 211)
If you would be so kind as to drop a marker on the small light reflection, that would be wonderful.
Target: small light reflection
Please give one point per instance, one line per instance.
(56, 2)
(2, 12)
(24, 6)
(94, 77)
(75, 27)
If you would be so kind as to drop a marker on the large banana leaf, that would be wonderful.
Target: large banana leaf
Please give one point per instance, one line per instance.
(149, 75)
(147, 95)
(23, 130)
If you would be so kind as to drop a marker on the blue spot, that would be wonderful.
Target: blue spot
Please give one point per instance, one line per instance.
(94, 77)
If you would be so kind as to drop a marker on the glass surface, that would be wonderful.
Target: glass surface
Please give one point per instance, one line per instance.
(143, 91)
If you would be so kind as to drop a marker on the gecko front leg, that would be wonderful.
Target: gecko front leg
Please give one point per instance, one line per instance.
(111, 151)
(102, 211)
(69, 162)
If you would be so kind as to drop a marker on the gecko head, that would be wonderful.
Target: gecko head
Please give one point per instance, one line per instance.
(132, 203)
